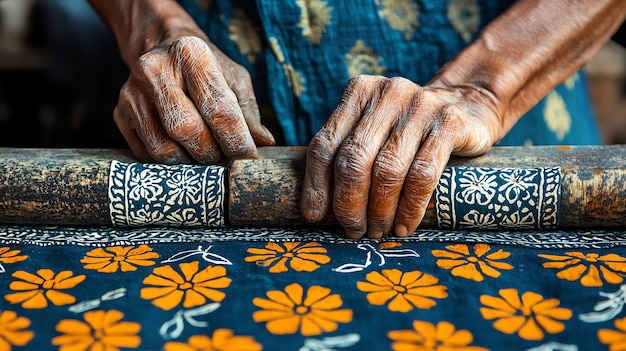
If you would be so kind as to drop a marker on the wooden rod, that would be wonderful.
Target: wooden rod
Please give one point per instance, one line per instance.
(70, 186)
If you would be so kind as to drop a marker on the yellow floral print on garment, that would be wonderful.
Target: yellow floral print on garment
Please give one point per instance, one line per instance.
(294, 78)
(362, 60)
(314, 19)
(222, 340)
(465, 17)
(11, 256)
(167, 287)
(246, 35)
(100, 330)
(529, 316)
(401, 15)
(590, 270)
(428, 337)
(34, 290)
(287, 312)
(616, 339)
(124, 258)
(12, 331)
(403, 291)
(472, 265)
(300, 256)
(556, 116)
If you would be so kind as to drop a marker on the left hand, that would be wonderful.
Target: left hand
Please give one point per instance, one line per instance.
(381, 153)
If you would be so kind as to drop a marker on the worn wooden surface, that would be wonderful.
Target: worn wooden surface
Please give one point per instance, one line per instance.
(69, 187)
(593, 186)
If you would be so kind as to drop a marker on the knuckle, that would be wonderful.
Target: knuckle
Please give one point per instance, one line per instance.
(320, 148)
(353, 160)
(387, 169)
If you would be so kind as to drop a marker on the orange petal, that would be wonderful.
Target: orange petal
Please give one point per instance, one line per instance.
(150, 293)
(59, 298)
(380, 297)
(420, 301)
(560, 264)
(481, 249)
(329, 302)
(319, 258)
(190, 269)
(211, 294)
(127, 267)
(399, 304)
(260, 252)
(281, 297)
(500, 265)
(97, 319)
(266, 315)
(295, 291)
(511, 296)
(74, 343)
(620, 324)
(315, 326)
(460, 338)
(65, 280)
(21, 286)
(498, 304)
(280, 266)
(271, 305)
(31, 299)
(410, 277)
(424, 329)
(572, 273)
(98, 253)
(378, 279)
(164, 275)
(530, 331)
(339, 316)
(509, 325)
(438, 291)
(46, 274)
(610, 276)
(592, 278)
(468, 271)
(315, 294)
(73, 327)
(126, 341)
(284, 326)
(275, 247)
(290, 246)
(194, 298)
(17, 338)
(393, 275)
(555, 257)
(424, 280)
(459, 248)
(498, 255)
(444, 331)
(616, 266)
(169, 301)
(123, 328)
(611, 337)
(142, 250)
(487, 270)
(28, 277)
(367, 287)
(446, 254)
(550, 325)
(407, 336)
(209, 273)
(217, 283)
(447, 264)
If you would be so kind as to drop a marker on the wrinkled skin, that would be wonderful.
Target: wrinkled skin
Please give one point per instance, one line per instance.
(185, 100)
(391, 140)
(376, 161)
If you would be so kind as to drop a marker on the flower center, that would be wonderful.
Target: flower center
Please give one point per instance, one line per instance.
(118, 258)
(48, 284)
(185, 286)
(288, 254)
(302, 310)
(98, 334)
(472, 259)
(399, 288)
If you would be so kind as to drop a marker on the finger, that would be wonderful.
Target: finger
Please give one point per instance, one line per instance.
(355, 157)
(426, 170)
(216, 102)
(239, 81)
(318, 174)
(183, 123)
(390, 169)
(145, 121)
(135, 144)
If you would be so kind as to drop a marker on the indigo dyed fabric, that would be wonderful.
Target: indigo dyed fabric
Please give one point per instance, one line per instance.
(309, 289)
(302, 53)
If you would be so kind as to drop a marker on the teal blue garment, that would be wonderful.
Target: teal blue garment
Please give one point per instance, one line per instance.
(301, 53)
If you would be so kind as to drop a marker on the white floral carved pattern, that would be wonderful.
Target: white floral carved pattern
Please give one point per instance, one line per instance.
(503, 198)
(182, 195)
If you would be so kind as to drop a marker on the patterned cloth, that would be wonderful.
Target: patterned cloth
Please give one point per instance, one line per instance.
(298, 289)
(302, 52)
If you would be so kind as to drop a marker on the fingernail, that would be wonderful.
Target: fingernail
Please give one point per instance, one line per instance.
(401, 231)
(374, 233)
(352, 234)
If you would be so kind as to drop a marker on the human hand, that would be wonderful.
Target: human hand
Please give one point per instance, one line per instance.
(186, 99)
(379, 156)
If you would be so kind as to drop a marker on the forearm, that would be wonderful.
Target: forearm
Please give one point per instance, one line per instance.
(141, 25)
(531, 48)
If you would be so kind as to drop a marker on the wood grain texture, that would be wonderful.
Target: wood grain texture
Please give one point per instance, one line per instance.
(55, 186)
(69, 186)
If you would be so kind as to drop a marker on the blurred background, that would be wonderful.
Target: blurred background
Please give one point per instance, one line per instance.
(60, 74)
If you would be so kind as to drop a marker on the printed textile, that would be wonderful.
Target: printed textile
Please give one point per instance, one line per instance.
(309, 289)
(302, 53)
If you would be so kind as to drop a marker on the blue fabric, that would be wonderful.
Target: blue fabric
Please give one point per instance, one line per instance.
(304, 52)
(212, 289)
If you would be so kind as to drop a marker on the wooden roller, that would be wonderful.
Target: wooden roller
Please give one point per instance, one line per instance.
(70, 186)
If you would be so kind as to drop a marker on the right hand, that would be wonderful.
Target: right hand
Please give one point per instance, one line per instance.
(187, 100)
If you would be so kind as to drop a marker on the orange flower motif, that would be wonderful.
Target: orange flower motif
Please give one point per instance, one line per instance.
(405, 290)
(592, 269)
(428, 337)
(124, 258)
(11, 256)
(472, 265)
(12, 331)
(315, 313)
(103, 330)
(222, 340)
(616, 339)
(529, 316)
(300, 256)
(193, 287)
(36, 290)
